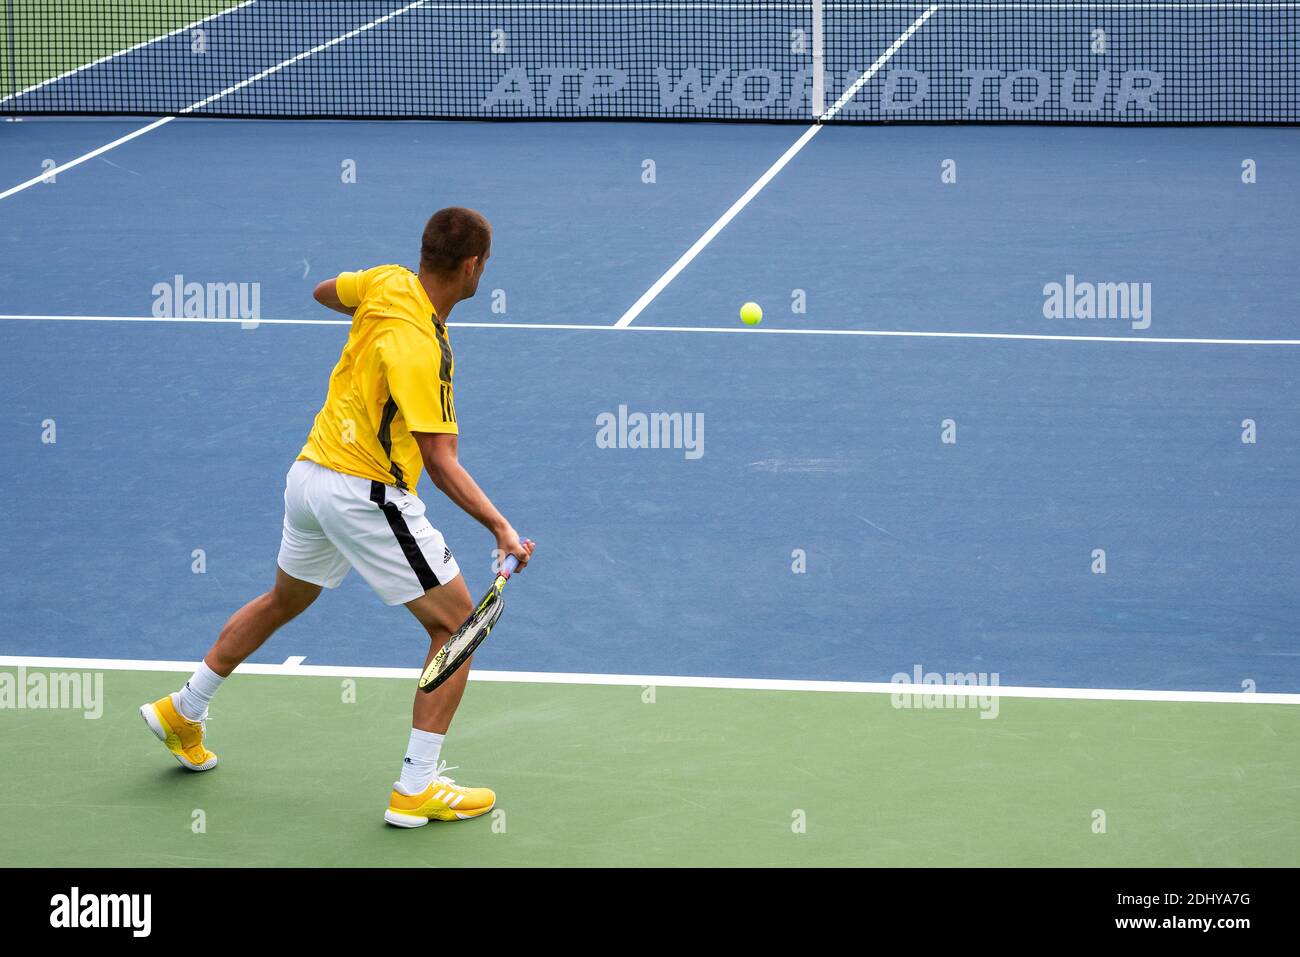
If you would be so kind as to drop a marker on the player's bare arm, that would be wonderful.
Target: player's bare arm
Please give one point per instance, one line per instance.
(327, 295)
(441, 455)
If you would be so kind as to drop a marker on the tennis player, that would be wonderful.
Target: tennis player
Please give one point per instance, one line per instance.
(350, 502)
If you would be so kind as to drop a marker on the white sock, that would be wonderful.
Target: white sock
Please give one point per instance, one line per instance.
(420, 762)
(192, 700)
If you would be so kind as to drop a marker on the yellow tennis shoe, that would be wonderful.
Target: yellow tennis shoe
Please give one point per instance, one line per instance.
(183, 737)
(443, 800)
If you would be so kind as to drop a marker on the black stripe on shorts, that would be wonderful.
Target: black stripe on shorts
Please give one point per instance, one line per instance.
(410, 548)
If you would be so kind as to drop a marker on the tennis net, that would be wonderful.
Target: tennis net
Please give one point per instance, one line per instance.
(768, 60)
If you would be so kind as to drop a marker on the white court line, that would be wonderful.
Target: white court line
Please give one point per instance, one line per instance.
(591, 327)
(87, 156)
(210, 99)
(124, 52)
(204, 320)
(649, 295)
(910, 334)
(672, 681)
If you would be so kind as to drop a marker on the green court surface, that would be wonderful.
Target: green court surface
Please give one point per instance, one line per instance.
(35, 58)
(599, 775)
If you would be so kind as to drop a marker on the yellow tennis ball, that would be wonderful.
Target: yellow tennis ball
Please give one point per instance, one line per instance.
(751, 314)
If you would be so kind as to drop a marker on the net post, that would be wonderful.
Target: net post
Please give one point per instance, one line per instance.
(818, 75)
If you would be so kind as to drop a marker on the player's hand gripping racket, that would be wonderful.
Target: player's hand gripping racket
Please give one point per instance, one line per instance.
(471, 634)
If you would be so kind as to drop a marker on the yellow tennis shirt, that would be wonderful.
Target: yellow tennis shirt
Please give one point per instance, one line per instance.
(394, 378)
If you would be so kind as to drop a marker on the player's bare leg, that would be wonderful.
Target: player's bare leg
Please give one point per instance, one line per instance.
(423, 792)
(441, 611)
(250, 627)
(178, 719)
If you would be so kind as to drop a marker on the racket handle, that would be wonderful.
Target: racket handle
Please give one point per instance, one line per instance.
(510, 564)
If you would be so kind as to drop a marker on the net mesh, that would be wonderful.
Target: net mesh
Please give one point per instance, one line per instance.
(1113, 62)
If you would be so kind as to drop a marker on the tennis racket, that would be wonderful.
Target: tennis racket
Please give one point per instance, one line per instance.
(471, 634)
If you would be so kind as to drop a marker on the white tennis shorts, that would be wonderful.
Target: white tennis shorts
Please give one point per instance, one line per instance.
(333, 522)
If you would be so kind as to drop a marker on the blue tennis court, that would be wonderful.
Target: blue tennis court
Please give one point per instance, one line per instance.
(913, 464)
(829, 444)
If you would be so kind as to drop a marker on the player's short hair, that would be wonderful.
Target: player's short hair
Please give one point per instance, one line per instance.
(451, 236)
